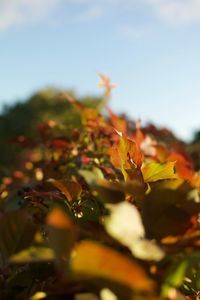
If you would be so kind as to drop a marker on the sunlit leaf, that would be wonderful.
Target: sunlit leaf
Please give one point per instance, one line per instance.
(171, 184)
(125, 153)
(32, 254)
(175, 277)
(125, 225)
(92, 176)
(147, 250)
(38, 296)
(129, 151)
(70, 189)
(107, 294)
(94, 260)
(183, 166)
(114, 157)
(154, 171)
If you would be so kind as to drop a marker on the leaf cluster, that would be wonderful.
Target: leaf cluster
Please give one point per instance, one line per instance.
(102, 210)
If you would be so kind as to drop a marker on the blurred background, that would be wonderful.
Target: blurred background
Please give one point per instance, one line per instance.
(149, 48)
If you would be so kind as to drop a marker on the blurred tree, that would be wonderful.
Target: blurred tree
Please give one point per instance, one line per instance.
(22, 118)
(196, 137)
(194, 148)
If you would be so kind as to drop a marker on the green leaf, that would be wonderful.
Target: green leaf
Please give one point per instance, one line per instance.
(33, 254)
(175, 277)
(91, 176)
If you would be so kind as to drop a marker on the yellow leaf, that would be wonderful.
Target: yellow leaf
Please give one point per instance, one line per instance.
(33, 254)
(38, 296)
(129, 151)
(155, 171)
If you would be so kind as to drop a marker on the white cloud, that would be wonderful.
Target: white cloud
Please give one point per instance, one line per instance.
(176, 11)
(14, 12)
(170, 11)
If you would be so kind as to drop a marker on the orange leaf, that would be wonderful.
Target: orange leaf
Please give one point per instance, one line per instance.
(70, 189)
(58, 219)
(128, 149)
(114, 157)
(127, 152)
(183, 166)
(90, 259)
(184, 172)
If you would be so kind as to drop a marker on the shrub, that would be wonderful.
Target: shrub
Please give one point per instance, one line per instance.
(108, 209)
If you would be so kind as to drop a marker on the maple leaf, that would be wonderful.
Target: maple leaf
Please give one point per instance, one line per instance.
(106, 83)
(126, 156)
(125, 153)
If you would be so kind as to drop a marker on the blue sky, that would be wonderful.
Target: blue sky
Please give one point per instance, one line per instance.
(150, 49)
